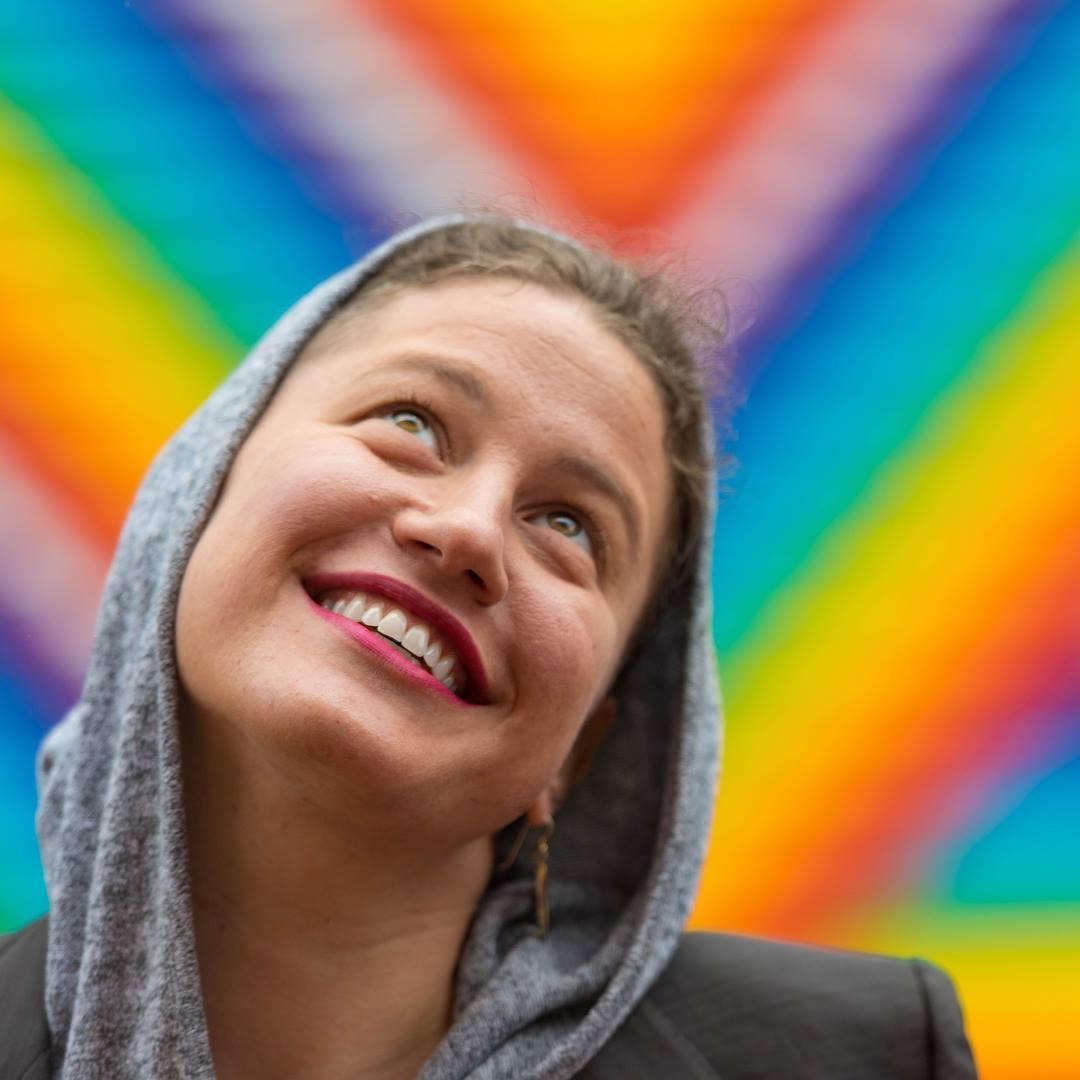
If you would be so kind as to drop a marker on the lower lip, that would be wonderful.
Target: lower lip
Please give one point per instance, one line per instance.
(377, 644)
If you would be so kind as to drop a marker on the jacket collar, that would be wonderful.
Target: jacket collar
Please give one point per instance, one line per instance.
(24, 1031)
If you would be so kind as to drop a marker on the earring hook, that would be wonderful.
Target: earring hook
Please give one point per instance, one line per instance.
(518, 841)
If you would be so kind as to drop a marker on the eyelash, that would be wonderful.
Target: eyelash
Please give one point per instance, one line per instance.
(412, 400)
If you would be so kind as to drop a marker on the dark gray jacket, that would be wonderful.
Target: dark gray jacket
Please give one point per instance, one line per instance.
(726, 1008)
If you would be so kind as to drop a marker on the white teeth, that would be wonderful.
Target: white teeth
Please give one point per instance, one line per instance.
(393, 625)
(408, 655)
(416, 639)
(354, 608)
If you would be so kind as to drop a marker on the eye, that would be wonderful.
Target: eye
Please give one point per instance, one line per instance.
(569, 525)
(415, 423)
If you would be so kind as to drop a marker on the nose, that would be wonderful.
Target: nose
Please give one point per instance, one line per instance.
(464, 534)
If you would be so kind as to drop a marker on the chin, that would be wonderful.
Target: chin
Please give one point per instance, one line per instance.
(343, 743)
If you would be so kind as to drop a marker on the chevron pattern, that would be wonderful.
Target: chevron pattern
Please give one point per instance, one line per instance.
(888, 191)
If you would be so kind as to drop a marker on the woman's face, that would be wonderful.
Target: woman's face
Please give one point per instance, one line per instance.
(487, 460)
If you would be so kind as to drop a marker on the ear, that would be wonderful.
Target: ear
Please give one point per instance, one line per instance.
(576, 766)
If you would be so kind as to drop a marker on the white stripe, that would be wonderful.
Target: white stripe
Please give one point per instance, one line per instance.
(53, 574)
(813, 139)
(752, 213)
(355, 92)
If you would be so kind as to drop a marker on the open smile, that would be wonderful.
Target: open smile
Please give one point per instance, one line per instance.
(418, 638)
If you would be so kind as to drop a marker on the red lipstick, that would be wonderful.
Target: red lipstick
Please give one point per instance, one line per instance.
(449, 628)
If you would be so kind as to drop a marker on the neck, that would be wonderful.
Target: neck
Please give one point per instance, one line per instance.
(323, 951)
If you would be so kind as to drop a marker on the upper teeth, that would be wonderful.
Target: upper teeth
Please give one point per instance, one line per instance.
(413, 635)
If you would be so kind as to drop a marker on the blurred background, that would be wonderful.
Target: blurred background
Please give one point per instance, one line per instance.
(889, 193)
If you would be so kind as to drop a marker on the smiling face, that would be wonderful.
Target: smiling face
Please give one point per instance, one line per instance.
(478, 466)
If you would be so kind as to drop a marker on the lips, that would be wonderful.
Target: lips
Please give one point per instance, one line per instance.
(449, 628)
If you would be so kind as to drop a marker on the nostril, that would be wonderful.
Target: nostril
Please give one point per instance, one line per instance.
(476, 577)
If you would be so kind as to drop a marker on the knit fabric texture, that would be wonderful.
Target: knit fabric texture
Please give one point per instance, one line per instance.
(122, 985)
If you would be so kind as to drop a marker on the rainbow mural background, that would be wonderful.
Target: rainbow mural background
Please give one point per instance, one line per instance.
(890, 192)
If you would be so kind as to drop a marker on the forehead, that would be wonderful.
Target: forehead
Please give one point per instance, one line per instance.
(530, 348)
(487, 313)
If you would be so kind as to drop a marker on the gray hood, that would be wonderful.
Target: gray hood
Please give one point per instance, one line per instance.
(122, 983)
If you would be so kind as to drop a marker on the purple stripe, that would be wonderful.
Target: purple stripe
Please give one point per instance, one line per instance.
(1007, 37)
(363, 218)
(50, 690)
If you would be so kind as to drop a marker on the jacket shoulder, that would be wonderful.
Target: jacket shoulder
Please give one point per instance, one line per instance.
(742, 1007)
(24, 1031)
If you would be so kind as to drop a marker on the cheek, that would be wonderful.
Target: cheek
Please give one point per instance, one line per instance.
(565, 665)
(320, 489)
(268, 509)
(285, 500)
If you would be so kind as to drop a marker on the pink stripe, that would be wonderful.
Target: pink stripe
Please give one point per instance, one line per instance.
(354, 90)
(761, 205)
(53, 574)
(982, 733)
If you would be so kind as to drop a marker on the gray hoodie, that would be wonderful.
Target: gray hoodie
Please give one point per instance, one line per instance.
(122, 983)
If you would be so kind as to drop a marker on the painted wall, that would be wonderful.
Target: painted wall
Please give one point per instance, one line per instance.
(889, 193)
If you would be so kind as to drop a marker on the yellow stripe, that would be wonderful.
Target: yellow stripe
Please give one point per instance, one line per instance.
(1015, 970)
(104, 352)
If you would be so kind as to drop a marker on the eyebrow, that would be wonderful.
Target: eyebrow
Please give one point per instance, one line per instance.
(581, 468)
(464, 381)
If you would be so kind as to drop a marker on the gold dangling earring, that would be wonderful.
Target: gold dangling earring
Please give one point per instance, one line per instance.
(540, 875)
(518, 841)
(543, 849)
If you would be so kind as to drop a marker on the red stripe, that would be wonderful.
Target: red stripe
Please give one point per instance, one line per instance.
(95, 510)
(1029, 666)
(626, 194)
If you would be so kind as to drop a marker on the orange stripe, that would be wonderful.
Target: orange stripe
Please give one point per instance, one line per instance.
(102, 353)
(906, 808)
(613, 107)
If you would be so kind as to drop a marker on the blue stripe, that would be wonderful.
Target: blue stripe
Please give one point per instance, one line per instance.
(899, 320)
(1020, 850)
(200, 177)
(22, 725)
(363, 218)
(49, 691)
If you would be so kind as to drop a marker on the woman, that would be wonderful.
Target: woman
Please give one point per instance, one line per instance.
(428, 571)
